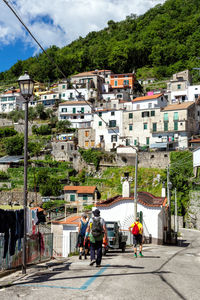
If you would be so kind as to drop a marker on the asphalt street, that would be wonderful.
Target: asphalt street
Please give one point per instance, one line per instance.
(165, 272)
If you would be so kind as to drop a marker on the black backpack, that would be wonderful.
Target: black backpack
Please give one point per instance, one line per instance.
(97, 227)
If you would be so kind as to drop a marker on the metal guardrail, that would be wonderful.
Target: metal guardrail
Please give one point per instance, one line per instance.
(36, 251)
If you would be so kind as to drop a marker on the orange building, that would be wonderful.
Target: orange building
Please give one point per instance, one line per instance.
(122, 81)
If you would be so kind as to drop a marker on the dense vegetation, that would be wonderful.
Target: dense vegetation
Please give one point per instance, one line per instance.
(159, 43)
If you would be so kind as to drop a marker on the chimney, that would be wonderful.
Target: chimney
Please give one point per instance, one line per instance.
(163, 190)
(126, 185)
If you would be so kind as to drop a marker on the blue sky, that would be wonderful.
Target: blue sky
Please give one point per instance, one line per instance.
(57, 23)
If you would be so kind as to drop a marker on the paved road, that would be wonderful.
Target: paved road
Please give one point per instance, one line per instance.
(165, 272)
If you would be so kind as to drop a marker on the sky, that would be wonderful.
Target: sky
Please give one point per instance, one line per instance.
(57, 22)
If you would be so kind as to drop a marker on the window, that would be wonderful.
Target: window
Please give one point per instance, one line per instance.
(82, 109)
(175, 116)
(154, 127)
(54, 96)
(86, 133)
(147, 140)
(92, 143)
(72, 197)
(126, 82)
(74, 110)
(153, 113)
(130, 127)
(62, 147)
(64, 110)
(112, 123)
(45, 97)
(63, 86)
(145, 114)
(86, 144)
(113, 138)
(179, 86)
(100, 114)
(71, 95)
(63, 95)
(100, 123)
(85, 197)
(112, 113)
(128, 142)
(101, 138)
(135, 142)
(183, 98)
(130, 115)
(145, 126)
(175, 125)
(149, 105)
(165, 116)
(165, 126)
(115, 82)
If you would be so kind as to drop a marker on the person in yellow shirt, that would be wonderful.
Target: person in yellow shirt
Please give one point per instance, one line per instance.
(137, 237)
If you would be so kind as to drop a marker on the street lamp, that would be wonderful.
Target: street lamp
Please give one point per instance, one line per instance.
(26, 85)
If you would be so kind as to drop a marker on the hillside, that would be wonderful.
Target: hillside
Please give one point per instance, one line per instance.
(162, 41)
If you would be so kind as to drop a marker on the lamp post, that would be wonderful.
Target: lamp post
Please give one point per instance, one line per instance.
(26, 85)
(169, 187)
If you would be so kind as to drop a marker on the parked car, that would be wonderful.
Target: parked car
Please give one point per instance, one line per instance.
(116, 239)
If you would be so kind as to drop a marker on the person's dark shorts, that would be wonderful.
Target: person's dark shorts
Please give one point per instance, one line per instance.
(137, 239)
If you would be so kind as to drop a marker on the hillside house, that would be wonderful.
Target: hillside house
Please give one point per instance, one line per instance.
(79, 113)
(11, 100)
(80, 196)
(107, 132)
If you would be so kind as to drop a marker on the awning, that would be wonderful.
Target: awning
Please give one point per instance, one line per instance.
(159, 145)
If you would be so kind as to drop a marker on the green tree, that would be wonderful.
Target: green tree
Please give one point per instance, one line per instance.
(14, 145)
(181, 170)
(62, 126)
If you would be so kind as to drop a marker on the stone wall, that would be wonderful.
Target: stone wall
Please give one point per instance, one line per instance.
(18, 197)
(154, 159)
(193, 217)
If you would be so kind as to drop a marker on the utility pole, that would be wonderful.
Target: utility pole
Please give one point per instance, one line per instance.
(135, 188)
(176, 214)
(169, 186)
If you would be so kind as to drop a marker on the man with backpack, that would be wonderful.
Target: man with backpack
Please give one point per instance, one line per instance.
(137, 230)
(96, 231)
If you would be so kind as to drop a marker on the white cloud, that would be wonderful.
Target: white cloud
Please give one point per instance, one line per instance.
(59, 22)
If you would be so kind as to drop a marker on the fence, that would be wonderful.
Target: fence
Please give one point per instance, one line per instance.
(39, 248)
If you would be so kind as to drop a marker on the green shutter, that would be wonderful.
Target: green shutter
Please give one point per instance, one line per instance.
(165, 126)
(175, 125)
(154, 127)
(72, 197)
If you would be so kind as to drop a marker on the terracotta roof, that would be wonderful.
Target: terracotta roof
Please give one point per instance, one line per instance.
(73, 220)
(12, 91)
(147, 97)
(184, 105)
(73, 103)
(38, 208)
(80, 189)
(194, 141)
(144, 198)
(90, 73)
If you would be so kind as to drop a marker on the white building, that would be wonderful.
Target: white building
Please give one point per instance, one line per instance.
(148, 102)
(151, 209)
(108, 128)
(10, 100)
(49, 99)
(75, 94)
(79, 113)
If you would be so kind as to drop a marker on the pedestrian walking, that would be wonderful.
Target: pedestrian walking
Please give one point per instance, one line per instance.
(96, 231)
(83, 224)
(137, 230)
